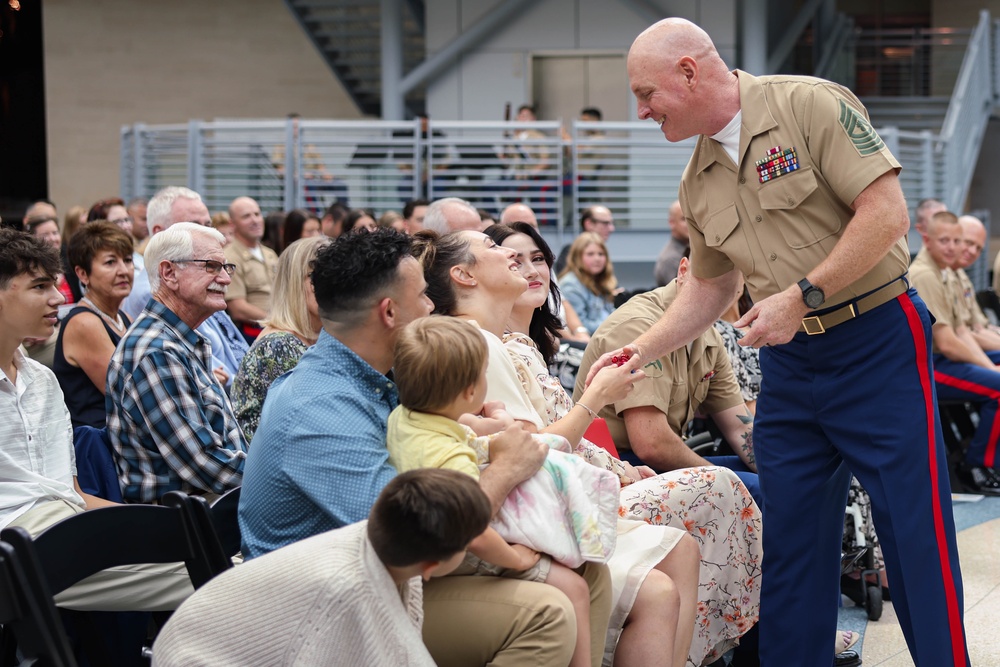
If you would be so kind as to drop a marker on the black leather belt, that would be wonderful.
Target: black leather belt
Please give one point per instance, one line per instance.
(817, 324)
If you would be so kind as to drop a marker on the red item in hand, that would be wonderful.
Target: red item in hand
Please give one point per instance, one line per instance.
(620, 361)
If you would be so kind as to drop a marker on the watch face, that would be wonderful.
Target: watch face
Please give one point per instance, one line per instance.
(814, 297)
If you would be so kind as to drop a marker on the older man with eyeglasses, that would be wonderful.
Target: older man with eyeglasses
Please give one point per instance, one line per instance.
(169, 419)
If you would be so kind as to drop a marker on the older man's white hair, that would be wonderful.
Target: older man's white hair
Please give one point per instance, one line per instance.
(158, 208)
(173, 244)
(437, 214)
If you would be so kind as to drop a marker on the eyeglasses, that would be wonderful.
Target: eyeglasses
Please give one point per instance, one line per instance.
(122, 222)
(211, 266)
(602, 222)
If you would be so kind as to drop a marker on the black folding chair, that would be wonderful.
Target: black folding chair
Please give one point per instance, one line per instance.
(218, 527)
(27, 614)
(86, 543)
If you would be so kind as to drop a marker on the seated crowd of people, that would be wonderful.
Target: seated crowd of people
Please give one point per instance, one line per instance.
(417, 485)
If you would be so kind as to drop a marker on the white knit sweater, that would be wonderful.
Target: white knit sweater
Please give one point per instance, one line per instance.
(327, 600)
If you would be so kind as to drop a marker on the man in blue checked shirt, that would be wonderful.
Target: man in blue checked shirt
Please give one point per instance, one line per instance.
(169, 419)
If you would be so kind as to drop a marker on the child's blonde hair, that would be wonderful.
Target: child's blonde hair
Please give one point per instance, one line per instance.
(436, 359)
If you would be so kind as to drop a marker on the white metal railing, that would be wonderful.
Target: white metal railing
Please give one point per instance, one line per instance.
(968, 114)
(381, 164)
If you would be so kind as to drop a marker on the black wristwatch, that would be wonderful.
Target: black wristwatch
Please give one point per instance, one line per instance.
(812, 295)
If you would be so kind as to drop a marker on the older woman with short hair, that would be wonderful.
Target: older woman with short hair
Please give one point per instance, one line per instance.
(291, 327)
(101, 256)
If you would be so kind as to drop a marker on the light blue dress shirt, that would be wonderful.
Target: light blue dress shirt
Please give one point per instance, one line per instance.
(318, 459)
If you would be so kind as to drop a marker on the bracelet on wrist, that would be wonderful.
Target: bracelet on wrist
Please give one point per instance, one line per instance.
(593, 415)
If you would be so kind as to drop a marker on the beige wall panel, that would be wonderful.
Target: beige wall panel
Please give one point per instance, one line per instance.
(114, 62)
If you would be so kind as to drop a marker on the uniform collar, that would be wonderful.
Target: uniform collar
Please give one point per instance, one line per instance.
(757, 118)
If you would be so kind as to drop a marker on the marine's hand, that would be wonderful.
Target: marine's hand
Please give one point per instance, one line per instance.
(629, 356)
(774, 320)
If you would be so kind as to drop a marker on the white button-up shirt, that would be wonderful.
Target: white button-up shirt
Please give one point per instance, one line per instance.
(37, 460)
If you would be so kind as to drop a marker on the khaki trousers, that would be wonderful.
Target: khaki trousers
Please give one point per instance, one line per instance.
(147, 587)
(510, 623)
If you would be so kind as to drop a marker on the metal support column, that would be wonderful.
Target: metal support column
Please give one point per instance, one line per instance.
(753, 52)
(393, 93)
(491, 22)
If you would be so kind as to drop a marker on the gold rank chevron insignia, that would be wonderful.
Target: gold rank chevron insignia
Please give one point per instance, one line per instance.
(859, 130)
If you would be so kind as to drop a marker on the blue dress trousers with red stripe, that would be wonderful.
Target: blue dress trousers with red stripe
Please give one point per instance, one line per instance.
(859, 398)
(980, 386)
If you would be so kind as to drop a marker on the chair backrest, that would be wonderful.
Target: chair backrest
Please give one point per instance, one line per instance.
(218, 527)
(29, 614)
(97, 539)
(225, 518)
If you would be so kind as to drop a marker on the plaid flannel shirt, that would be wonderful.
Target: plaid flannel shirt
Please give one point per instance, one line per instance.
(169, 419)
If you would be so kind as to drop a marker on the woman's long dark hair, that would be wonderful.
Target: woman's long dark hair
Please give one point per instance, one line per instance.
(545, 324)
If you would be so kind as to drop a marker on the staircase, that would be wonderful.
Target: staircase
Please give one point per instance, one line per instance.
(347, 33)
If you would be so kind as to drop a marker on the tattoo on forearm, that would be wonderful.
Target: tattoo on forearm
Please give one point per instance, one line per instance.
(747, 445)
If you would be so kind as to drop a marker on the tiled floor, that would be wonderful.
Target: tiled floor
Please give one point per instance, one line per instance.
(979, 549)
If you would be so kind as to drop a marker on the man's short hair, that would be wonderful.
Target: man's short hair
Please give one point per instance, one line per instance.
(585, 215)
(411, 205)
(943, 218)
(173, 244)
(355, 269)
(436, 220)
(527, 107)
(22, 253)
(593, 112)
(158, 208)
(428, 514)
(336, 212)
(94, 237)
(435, 360)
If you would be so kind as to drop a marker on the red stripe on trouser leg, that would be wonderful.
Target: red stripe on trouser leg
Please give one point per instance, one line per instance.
(923, 369)
(979, 390)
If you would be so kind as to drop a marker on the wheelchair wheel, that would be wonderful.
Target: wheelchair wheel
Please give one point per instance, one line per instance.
(873, 603)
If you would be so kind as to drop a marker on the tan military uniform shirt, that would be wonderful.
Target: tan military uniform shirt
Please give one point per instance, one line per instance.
(680, 383)
(970, 313)
(777, 231)
(253, 279)
(934, 286)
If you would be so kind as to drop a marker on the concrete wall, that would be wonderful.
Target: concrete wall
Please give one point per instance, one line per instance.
(499, 70)
(115, 62)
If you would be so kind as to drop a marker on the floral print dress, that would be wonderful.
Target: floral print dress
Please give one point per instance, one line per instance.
(710, 503)
(269, 357)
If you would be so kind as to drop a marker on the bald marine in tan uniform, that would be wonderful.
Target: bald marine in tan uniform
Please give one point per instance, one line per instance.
(791, 186)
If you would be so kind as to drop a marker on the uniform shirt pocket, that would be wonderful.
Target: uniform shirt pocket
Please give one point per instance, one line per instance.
(720, 226)
(801, 223)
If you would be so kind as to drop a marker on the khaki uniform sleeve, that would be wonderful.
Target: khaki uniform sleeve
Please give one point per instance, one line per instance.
(848, 151)
(935, 294)
(237, 288)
